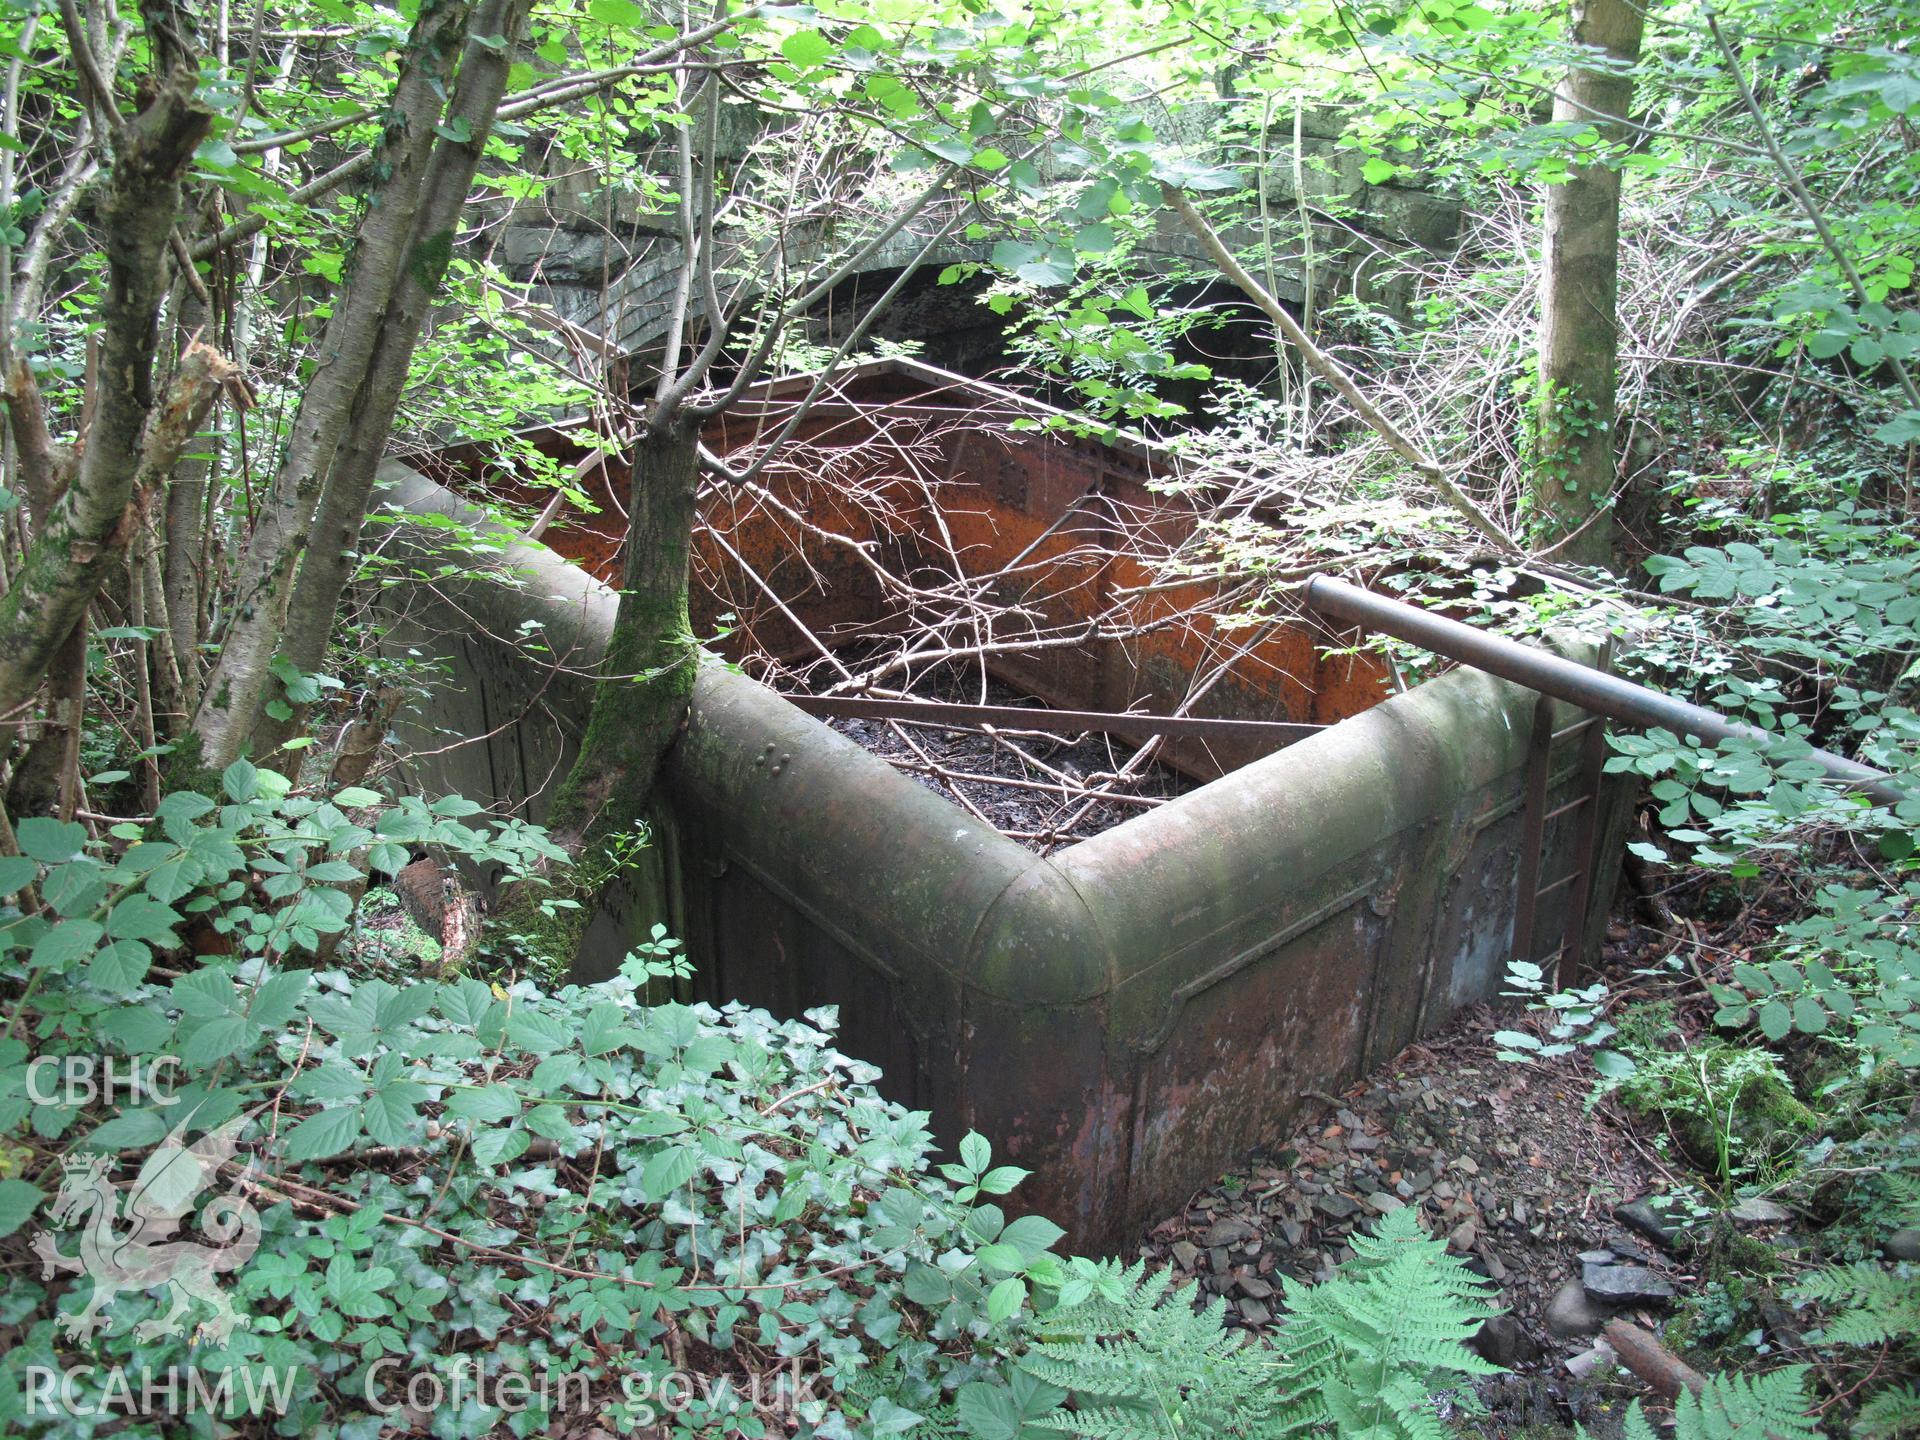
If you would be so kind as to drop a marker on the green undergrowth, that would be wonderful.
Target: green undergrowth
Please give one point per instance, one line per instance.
(494, 1205)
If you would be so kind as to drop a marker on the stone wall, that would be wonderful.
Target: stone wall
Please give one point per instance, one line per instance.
(607, 266)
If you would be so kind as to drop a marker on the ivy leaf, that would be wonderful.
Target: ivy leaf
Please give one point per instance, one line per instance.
(358, 1288)
(887, 1418)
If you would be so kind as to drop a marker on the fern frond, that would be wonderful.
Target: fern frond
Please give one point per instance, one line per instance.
(1873, 1305)
(1861, 1283)
(1892, 1413)
(1743, 1407)
(1365, 1352)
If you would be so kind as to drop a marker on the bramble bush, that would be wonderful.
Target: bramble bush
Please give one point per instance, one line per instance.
(567, 1183)
(680, 1218)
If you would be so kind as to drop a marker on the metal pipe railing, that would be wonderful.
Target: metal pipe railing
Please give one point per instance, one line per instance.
(1554, 675)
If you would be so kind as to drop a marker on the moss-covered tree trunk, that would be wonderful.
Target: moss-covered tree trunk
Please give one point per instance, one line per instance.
(641, 700)
(1579, 335)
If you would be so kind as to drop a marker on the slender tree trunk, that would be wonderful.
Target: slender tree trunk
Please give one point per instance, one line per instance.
(332, 551)
(1579, 334)
(86, 528)
(236, 685)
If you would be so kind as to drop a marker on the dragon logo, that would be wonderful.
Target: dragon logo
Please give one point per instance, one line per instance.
(145, 1256)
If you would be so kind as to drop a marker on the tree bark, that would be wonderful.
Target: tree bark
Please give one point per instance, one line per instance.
(85, 527)
(639, 704)
(264, 574)
(1579, 333)
(332, 550)
(648, 671)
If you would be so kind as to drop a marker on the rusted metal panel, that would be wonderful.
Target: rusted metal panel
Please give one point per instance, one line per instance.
(1136, 1012)
(1126, 1017)
(1047, 502)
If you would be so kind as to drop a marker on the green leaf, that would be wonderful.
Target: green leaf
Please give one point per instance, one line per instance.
(1377, 171)
(119, 967)
(18, 1201)
(327, 1133)
(238, 781)
(1094, 239)
(1006, 1298)
(539, 1033)
(141, 917)
(389, 1112)
(1612, 1064)
(140, 1029)
(667, 1171)
(1002, 1257)
(492, 1148)
(222, 1038)
(53, 842)
(387, 857)
(358, 1288)
(1002, 1179)
(1033, 1235)
(885, 1417)
(487, 1106)
(1776, 1021)
(16, 873)
(989, 1412)
(133, 1130)
(975, 1152)
(1809, 1018)
(806, 49)
(65, 945)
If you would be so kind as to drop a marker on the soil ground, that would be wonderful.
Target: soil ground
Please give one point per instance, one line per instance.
(1508, 1161)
